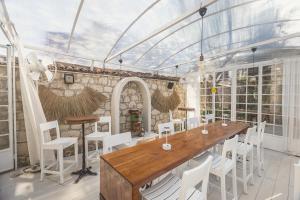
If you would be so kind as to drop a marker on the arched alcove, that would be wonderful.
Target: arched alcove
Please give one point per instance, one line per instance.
(115, 103)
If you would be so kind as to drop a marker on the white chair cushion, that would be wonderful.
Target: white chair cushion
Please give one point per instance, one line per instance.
(64, 142)
(97, 135)
(169, 188)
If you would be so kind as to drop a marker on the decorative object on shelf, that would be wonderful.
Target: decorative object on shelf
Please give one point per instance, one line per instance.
(69, 78)
(165, 104)
(59, 107)
(136, 122)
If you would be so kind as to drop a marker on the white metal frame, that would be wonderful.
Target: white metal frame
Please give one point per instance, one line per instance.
(278, 143)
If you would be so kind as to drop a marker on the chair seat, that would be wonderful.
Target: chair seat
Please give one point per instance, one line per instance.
(96, 135)
(216, 167)
(243, 149)
(169, 188)
(60, 142)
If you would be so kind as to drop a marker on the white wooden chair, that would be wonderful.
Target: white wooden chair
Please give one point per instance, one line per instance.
(165, 127)
(222, 165)
(97, 136)
(297, 181)
(117, 141)
(193, 123)
(244, 149)
(257, 140)
(58, 144)
(172, 187)
(180, 122)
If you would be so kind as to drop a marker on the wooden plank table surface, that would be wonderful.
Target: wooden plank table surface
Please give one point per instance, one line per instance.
(123, 172)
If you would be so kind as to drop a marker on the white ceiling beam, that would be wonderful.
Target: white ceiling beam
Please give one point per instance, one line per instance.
(218, 34)
(240, 49)
(161, 29)
(190, 23)
(130, 25)
(74, 24)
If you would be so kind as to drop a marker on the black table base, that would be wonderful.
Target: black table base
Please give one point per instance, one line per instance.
(84, 171)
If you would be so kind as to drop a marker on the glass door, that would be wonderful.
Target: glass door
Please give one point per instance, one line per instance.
(6, 138)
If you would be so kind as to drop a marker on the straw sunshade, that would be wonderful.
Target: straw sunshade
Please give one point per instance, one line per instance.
(59, 107)
(165, 103)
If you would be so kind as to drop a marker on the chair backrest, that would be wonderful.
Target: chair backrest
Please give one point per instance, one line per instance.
(46, 127)
(194, 176)
(166, 127)
(250, 132)
(230, 145)
(104, 120)
(114, 140)
(261, 130)
(297, 181)
(193, 123)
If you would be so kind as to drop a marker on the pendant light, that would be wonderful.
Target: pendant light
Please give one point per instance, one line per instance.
(253, 49)
(202, 12)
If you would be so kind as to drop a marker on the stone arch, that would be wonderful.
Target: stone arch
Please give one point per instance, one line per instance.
(115, 103)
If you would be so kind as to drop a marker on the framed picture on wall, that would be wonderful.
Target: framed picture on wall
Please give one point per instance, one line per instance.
(69, 78)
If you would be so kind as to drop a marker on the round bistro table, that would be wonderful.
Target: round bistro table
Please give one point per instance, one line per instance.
(84, 171)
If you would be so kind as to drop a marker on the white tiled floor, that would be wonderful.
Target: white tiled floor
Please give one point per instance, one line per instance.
(276, 183)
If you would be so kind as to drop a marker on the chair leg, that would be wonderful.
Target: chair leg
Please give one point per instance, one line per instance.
(258, 160)
(61, 165)
(262, 156)
(42, 165)
(76, 154)
(223, 187)
(234, 184)
(251, 167)
(245, 173)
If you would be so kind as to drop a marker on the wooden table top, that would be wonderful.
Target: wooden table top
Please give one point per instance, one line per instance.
(144, 162)
(82, 119)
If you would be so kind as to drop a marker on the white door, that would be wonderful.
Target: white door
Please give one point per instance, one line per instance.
(6, 120)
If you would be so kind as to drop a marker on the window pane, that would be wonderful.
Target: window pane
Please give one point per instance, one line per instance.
(278, 120)
(253, 71)
(219, 114)
(268, 109)
(241, 116)
(268, 118)
(252, 89)
(251, 117)
(267, 70)
(269, 129)
(4, 142)
(266, 99)
(227, 106)
(279, 89)
(278, 110)
(267, 89)
(252, 108)
(218, 106)
(241, 107)
(252, 80)
(241, 90)
(278, 130)
(241, 99)
(252, 99)
(267, 80)
(227, 98)
(226, 90)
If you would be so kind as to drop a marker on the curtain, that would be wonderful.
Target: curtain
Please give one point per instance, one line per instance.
(291, 104)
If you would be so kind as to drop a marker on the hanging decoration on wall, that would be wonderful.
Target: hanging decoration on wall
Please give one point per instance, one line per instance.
(59, 107)
(165, 103)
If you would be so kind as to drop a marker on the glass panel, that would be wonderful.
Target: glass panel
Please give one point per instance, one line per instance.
(252, 90)
(241, 116)
(252, 99)
(241, 99)
(269, 128)
(251, 117)
(241, 90)
(278, 130)
(278, 120)
(253, 71)
(3, 98)
(268, 118)
(252, 108)
(3, 84)
(3, 113)
(268, 109)
(278, 110)
(4, 142)
(4, 129)
(267, 89)
(252, 80)
(267, 70)
(241, 107)
(267, 80)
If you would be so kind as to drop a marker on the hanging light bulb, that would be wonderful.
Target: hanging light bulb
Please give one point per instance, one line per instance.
(202, 12)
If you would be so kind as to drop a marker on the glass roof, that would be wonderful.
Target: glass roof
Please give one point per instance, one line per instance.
(228, 24)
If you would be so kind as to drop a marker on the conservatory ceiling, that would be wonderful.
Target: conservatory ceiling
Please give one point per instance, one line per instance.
(80, 31)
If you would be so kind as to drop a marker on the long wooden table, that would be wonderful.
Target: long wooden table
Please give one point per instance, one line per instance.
(123, 172)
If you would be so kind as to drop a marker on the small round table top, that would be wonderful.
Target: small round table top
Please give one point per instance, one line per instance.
(82, 119)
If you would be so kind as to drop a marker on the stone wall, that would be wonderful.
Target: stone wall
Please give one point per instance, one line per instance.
(130, 98)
